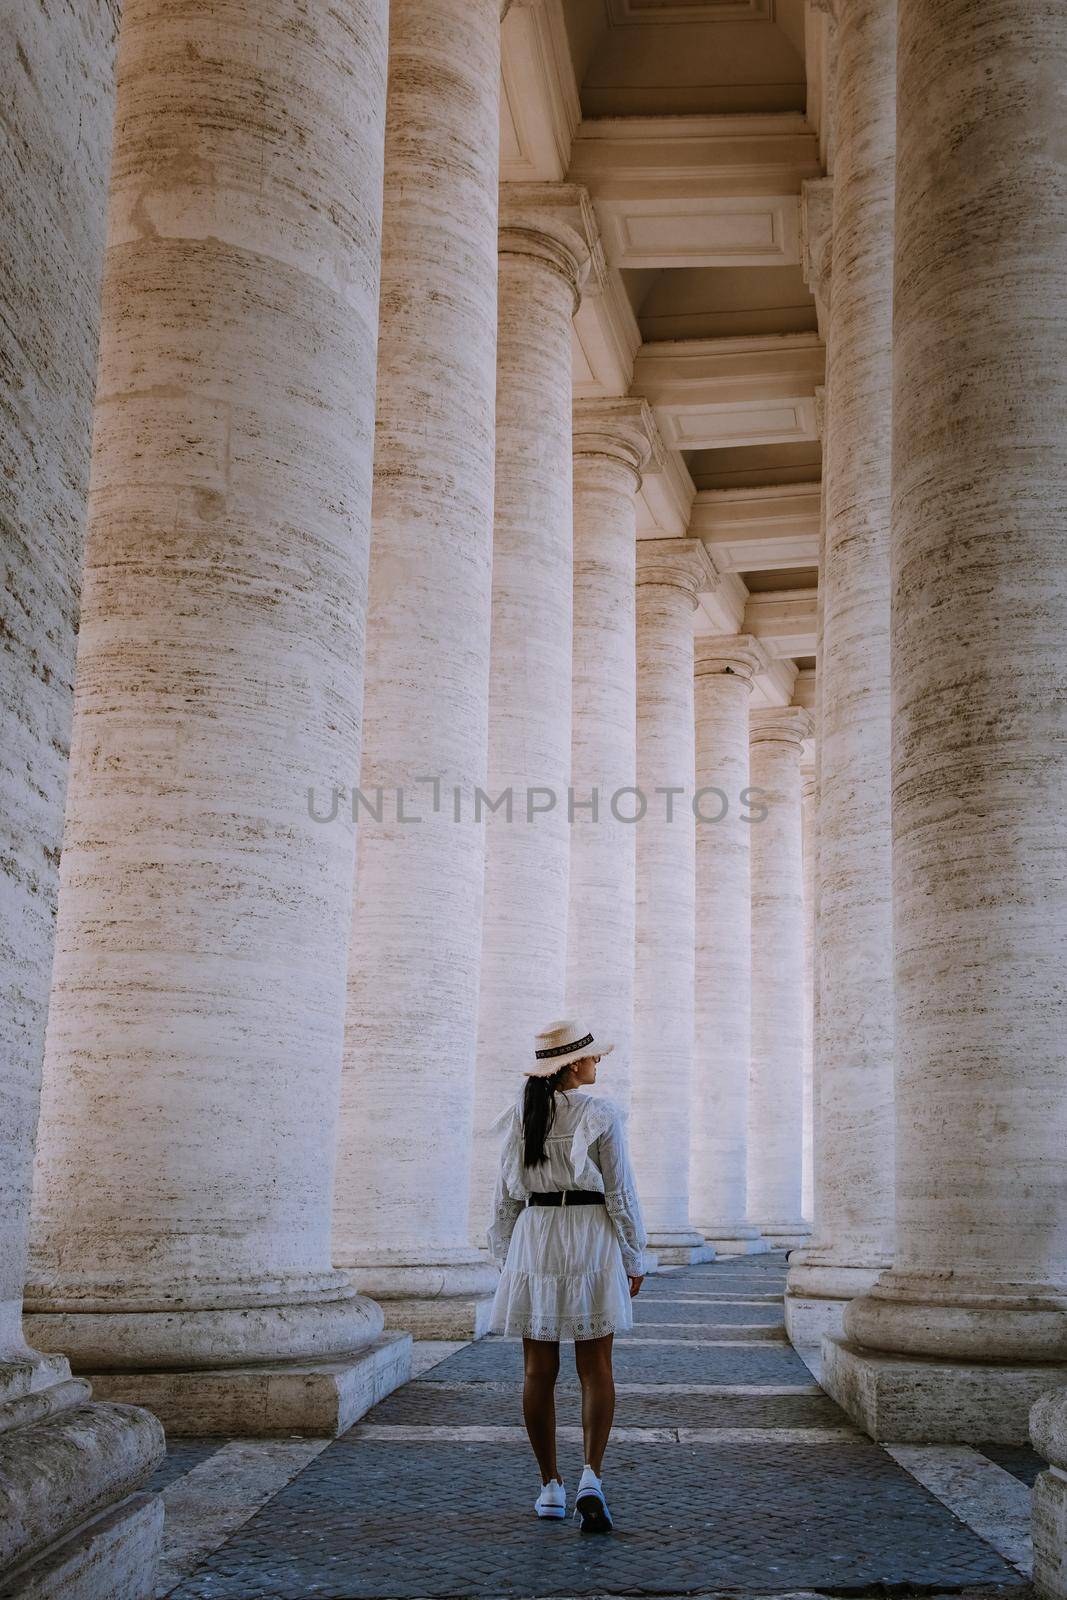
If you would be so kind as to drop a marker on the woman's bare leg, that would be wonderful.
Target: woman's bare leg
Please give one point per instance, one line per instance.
(592, 1357)
(541, 1369)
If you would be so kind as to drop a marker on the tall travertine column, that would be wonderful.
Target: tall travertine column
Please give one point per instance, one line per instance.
(400, 1212)
(853, 1237)
(613, 439)
(671, 573)
(807, 852)
(775, 1110)
(547, 235)
(724, 667)
(976, 1301)
(70, 1469)
(193, 1059)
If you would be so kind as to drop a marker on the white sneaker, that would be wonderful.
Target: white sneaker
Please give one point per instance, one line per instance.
(552, 1501)
(590, 1507)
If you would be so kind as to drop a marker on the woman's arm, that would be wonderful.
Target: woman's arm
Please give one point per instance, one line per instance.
(620, 1197)
(506, 1210)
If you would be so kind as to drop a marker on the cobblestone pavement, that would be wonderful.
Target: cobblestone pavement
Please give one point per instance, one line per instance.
(729, 1471)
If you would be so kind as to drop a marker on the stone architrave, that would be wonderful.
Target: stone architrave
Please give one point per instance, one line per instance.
(671, 574)
(71, 1512)
(775, 1121)
(181, 1235)
(547, 242)
(853, 1048)
(969, 1326)
(724, 667)
(400, 1208)
(613, 441)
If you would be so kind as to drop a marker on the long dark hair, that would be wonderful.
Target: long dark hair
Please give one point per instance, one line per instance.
(538, 1114)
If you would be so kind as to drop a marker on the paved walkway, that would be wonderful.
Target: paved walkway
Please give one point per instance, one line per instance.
(729, 1470)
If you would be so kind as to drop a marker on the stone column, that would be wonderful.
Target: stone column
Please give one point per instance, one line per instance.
(70, 1513)
(546, 238)
(670, 575)
(853, 1238)
(400, 1211)
(775, 1116)
(613, 440)
(971, 1322)
(807, 854)
(1048, 1434)
(724, 668)
(182, 1226)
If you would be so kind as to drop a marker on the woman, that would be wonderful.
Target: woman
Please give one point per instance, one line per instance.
(567, 1231)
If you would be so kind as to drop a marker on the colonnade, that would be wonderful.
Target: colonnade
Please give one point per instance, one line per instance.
(358, 571)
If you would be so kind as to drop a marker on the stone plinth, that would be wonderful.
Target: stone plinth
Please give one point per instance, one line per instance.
(670, 575)
(976, 1300)
(185, 1159)
(724, 667)
(775, 1105)
(1048, 1434)
(853, 1041)
(402, 1167)
(613, 440)
(316, 1399)
(547, 236)
(909, 1400)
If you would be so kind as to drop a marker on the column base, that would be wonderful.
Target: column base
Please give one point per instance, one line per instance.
(682, 1247)
(919, 1400)
(808, 1319)
(1048, 1433)
(72, 1526)
(115, 1554)
(314, 1399)
(817, 1294)
(737, 1239)
(447, 1298)
(786, 1235)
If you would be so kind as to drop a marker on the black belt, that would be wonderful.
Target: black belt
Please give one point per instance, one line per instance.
(567, 1197)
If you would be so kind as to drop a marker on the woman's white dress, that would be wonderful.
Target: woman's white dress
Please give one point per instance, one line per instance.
(565, 1268)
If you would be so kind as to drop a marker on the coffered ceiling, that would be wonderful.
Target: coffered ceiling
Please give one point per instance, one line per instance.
(692, 126)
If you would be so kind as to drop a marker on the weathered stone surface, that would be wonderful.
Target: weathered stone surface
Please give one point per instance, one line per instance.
(724, 667)
(853, 1206)
(316, 1399)
(979, 686)
(117, 1553)
(545, 242)
(1048, 1431)
(775, 1121)
(56, 82)
(196, 1018)
(62, 1472)
(670, 575)
(613, 441)
(403, 1167)
(913, 1400)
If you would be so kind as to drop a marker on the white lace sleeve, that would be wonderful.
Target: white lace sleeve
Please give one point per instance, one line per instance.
(620, 1196)
(507, 1206)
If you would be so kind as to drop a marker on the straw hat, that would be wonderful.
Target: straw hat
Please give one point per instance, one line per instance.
(562, 1043)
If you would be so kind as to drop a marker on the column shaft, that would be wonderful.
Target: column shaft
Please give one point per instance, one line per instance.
(976, 1299)
(807, 852)
(775, 1124)
(544, 255)
(670, 575)
(71, 1469)
(400, 1213)
(724, 669)
(612, 441)
(194, 1041)
(853, 1236)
